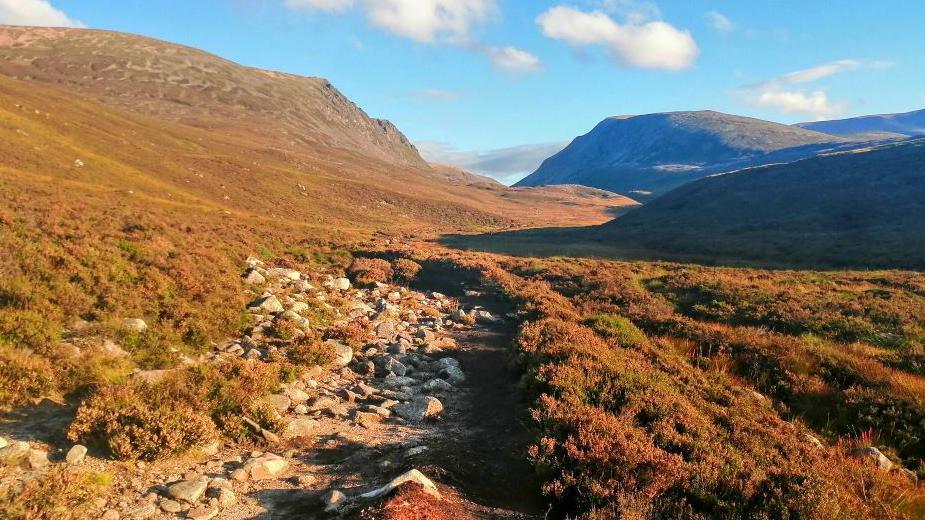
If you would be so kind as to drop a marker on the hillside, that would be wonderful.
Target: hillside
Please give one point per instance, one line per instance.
(646, 156)
(187, 85)
(906, 124)
(862, 209)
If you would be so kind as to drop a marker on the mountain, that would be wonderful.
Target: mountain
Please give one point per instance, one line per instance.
(648, 155)
(193, 87)
(907, 124)
(864, 208)
(175, 123)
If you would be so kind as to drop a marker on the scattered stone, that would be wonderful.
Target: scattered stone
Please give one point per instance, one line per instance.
(419, 409)
(453, 374)
(202, 513)
(343, 353)
(141, 512)
(333, 500)
(254, 278)
(367, 420)
(341, 284)
(224, 496)
(268, 304)
(279, 402)
(134, 325)
(437, 385)
(12, 454)
(305, 481)
(297, 395)
(188, 490)
(281, 272)
(265, 467)
(300, 427)
(171, 506)
(415, 451)
(76, 454)
(414, 476)
(37, 459)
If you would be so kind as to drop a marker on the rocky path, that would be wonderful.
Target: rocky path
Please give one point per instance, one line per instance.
(427, 399)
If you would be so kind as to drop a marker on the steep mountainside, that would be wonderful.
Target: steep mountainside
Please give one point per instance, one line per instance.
(907, 124)
(644, 156)
(187, 85)
(862, 208)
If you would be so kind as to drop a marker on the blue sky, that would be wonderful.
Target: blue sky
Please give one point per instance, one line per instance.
(496, 85)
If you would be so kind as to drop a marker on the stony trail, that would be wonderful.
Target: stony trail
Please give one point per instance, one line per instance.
(429, 397)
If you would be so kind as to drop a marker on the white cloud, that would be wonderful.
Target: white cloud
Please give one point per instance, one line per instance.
(432, 22)
(815, 103)
(424, 21)
(512, 59)
(719, 21)
(34, 12)
(328, 6)
(507, 165)
(636, 43)
(784, 93)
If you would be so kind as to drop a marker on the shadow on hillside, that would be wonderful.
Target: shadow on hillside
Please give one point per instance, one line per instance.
(536, 242)
(45, 422)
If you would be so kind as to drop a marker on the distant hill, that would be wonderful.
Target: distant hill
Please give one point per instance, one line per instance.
(648, 155)
(907, 124)
(193, 87)
(860, 209)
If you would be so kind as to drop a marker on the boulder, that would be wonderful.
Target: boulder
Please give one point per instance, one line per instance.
(876, 457)
(76, 454)
(419, 409)
(343, 353)
(15, 452)
(37, 459)
(268, 303)
(341, 284)
(279, 402)
(252, 277)
(453, 374)
(188, 490)
(300, 427)
(266, 466)
(134, 325)
(170, 506)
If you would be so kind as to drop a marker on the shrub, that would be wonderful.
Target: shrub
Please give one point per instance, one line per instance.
(405, 270)
(618, 329)
(60, 494)
(24, 376)
(137, 421)
(368, 271)
(284, 328)
(309, 351)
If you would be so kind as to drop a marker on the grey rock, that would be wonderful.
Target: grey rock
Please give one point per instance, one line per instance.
(270, 304)
(171, 506)
(419, 409)
(279, 402)
(300, 427)
(413, 476)
(876, 457)
(252, 277)
(265, 467)
(76, 454)
(188, 490)
(134, 325)
(142, 511)
(343, 353)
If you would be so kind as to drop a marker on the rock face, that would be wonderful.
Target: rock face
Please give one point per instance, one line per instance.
(419, 409)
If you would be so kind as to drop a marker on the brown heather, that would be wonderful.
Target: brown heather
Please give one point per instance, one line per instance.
(646, 412)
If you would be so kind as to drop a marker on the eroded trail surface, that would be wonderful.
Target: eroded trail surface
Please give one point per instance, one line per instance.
(427, 396)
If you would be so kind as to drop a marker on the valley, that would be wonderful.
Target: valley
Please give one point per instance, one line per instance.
(228, 292)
